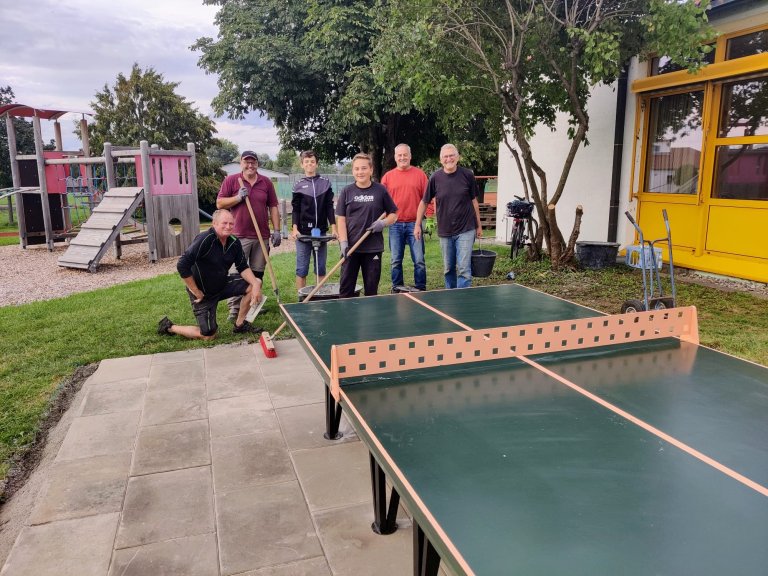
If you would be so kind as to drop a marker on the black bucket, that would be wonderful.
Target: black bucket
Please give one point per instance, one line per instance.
(329, 291)
(482, 263)
(596, 255)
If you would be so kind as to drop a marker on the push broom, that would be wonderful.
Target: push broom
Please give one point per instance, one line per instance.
(267, 341)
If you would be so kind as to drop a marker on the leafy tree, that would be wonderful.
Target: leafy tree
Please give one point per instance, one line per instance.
(25, 139)
(306, 64)
(287, 161)
(224, 152)
(520, 63)
(143, 106)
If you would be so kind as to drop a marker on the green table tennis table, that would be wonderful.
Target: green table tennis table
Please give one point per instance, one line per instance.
(645, 457)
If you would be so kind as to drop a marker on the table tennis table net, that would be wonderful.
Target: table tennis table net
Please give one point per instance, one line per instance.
(462, 347)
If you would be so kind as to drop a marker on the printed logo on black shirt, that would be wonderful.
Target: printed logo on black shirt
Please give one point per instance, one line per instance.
(363, 198)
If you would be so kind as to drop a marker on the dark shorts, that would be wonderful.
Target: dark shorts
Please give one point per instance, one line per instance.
(205, 311)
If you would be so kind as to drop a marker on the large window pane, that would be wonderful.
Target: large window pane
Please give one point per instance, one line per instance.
(747, 45)
(744, 110)
(674, 146)
(741, 172)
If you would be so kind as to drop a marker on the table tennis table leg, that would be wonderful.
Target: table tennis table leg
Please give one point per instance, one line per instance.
(426, 560)
(385, 517)
(332, 416)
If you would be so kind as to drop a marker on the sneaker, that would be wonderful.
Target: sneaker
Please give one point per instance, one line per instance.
(246, 327)
(164, 326)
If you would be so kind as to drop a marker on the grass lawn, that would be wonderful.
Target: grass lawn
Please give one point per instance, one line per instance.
(44, 342)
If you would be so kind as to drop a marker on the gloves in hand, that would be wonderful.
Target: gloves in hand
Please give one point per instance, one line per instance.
(377, 226)
(344, 245)
(242, 194)
(276, 238)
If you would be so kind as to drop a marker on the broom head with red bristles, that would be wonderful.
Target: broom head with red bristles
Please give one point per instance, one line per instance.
(268, 345)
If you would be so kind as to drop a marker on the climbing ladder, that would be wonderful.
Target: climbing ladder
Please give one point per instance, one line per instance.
(100, 230)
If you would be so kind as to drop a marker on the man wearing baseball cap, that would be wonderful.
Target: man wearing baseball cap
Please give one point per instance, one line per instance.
(261, 192)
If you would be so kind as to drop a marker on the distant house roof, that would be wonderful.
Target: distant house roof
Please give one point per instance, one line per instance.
(234, 168)
(676, 158)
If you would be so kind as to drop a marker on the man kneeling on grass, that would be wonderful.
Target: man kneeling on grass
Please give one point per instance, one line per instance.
(204, 267)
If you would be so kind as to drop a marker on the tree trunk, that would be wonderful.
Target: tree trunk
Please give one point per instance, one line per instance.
(569, 249)
(555, 248)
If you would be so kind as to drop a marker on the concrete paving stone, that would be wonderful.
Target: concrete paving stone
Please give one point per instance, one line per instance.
(193, 556)
(176, 404)
(222, 355)
(262, 526)
(352, 548)
(230, 382)
(114, 369)
(250, 460)
(175, 357)
(303, 426)
(57, 548)
(289, 353)
(171, 447)
(295, 388)
(177, 374)
(99, 435)
(241, 415)
(124, 396)
(312, 567)
(84, 487)
(334, 476)
(166, 505)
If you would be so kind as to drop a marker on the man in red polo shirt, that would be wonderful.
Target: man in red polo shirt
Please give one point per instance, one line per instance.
(406, 184)
(261, 193)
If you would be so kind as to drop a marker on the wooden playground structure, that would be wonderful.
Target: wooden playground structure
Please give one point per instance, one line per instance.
(44, 182)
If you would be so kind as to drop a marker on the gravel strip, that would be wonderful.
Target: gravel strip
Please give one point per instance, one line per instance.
(32, 274)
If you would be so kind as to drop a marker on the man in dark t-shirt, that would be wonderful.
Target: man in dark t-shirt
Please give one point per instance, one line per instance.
(358, 209)
(458, 216)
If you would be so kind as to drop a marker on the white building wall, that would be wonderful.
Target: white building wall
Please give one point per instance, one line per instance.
(589, 182)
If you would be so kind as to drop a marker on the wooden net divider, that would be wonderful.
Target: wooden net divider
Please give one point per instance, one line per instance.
(448, 348)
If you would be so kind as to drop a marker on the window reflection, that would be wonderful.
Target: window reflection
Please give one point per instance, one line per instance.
(747, 45)
(664, 65)
(674, 149)
(744, 109)
(741, 172)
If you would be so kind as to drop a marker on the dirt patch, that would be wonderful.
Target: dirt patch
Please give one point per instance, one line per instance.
(25, 462)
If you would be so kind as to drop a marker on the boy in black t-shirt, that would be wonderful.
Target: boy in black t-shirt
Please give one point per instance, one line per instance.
(358, 209)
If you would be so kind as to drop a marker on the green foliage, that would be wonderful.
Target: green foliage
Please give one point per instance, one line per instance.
(25, 139)
(222, 152)
(307, 64)
(143, 106)
(287, 161)
(521, 64)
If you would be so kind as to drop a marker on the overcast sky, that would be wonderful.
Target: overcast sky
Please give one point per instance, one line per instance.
(58, 53)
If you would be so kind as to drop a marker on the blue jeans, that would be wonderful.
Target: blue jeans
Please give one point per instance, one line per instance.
(400, 234)
(305, 251)
(457, 259)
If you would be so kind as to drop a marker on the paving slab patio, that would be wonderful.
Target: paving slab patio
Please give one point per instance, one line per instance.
(207, 463)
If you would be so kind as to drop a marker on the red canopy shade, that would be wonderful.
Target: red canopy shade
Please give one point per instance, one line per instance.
(24, 111)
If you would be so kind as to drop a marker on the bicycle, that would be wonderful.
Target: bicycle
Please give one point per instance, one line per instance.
(521, 212)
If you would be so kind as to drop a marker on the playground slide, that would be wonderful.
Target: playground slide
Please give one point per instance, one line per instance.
(100, 230)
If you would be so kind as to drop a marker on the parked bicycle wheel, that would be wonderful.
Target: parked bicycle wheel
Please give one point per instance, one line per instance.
(518, 241)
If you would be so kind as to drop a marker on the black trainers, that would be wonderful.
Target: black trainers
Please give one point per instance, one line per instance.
(246, 327)
(164, 326)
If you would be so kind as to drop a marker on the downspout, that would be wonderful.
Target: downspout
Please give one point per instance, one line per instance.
(618, 152)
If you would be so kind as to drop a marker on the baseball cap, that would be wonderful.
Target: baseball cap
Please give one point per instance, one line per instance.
(249, 154)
